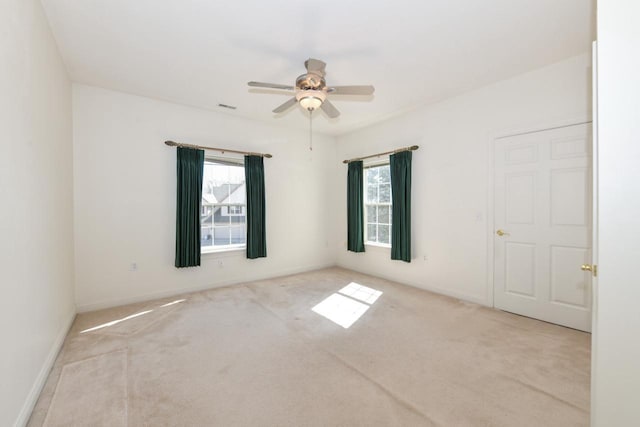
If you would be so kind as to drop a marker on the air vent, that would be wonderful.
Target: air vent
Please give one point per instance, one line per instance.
(230, 107)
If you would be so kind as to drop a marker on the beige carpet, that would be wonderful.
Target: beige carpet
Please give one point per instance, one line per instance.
(259, 355)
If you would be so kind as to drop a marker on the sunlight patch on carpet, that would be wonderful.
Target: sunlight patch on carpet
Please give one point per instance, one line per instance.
(341, 310)
(178, 301)
(132, 316)
(115, 322)
(361, 293)
(346, 307)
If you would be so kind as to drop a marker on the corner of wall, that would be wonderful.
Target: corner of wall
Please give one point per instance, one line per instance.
(41, 379)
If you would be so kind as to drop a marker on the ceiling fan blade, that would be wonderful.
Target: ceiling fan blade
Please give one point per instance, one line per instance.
(328, 108)
(315, 66)
(290, 103)
(351, 90)
(270, 85)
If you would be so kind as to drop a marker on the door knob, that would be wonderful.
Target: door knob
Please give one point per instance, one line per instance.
(502, 233)
(591, 268)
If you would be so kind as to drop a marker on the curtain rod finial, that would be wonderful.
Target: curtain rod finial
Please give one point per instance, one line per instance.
(268, 156)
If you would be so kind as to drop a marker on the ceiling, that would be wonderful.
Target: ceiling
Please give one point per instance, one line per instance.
(203, 52)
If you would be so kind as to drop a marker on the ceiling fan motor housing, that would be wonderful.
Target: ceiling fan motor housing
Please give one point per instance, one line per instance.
(310, 81)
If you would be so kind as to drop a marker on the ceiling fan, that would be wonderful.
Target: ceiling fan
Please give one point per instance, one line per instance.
(311, 90)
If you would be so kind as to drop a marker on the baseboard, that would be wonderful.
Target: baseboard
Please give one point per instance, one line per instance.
(434, 289)
(34, 393)
(116, 302)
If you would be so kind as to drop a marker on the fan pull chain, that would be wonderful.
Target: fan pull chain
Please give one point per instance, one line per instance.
(310, 131)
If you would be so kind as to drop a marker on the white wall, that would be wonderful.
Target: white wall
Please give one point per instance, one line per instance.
(451, 179)
(616, 339)
(36, 214)
(125, 190)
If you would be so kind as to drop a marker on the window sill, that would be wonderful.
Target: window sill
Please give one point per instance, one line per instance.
(212, 251)
(377, 245)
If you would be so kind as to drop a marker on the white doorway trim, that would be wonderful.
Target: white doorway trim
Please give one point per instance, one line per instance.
(573, 120)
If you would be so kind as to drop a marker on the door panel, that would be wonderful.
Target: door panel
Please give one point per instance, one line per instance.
(569, 210)
(568, 284)
(520, 198)
(520, 269)
(543, 204)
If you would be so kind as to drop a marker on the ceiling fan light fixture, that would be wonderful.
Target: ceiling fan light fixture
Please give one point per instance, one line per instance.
(311, 99)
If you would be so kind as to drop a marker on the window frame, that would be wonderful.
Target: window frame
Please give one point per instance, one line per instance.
(230, 247)
(365, 193)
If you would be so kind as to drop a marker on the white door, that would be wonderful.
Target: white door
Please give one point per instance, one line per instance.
(543, 225)
(594, 221)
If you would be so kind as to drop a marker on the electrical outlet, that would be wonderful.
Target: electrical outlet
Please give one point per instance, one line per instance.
(133, 266)
(220, 263)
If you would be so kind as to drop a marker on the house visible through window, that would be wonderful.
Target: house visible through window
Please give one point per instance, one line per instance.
(377, 204)
(224, 198)
(235, 210)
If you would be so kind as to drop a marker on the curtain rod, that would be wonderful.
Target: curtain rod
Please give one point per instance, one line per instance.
(399, 150)
(222, 150)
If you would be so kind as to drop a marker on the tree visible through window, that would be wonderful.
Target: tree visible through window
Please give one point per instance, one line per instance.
(377, 204)
(224, 199)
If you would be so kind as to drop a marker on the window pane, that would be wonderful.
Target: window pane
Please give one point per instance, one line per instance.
(205, 216)
(371, 232)
(372, 176)
(237, 214)
(385, 175)
(238, 235)
(222, 181)
(383, 233)
(383, 215)
(371, 213)
(221, 216)
(372, 194)
(385, 193)
(238, 193)
(221, 236)
(206, 236)
(223, 194)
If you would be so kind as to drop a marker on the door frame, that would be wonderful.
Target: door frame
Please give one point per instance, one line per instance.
(493, 137)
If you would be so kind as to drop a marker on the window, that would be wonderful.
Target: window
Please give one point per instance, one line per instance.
(223, 216)
(377, 204)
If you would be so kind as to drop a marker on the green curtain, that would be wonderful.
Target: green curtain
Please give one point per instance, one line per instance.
(256, 235)
(400, 168)
(189, 200)
(355, 226)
